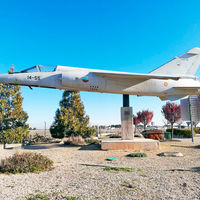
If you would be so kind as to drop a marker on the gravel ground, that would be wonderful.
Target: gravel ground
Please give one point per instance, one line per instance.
(79, 172)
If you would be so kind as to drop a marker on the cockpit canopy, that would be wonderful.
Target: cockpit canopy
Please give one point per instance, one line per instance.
(40, 68)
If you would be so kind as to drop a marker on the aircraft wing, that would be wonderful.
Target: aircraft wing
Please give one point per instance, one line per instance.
(134, 76)
(187, 88)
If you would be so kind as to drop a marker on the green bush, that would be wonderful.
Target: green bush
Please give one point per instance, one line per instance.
(71, 198)
(39, 196)
(185, 133)
(125, 169)
(137, 155)
(25, 162)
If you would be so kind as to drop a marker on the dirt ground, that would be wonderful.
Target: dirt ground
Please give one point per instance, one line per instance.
(79, 171)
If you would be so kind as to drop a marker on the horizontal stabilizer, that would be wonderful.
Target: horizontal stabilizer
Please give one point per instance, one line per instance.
(175, 98)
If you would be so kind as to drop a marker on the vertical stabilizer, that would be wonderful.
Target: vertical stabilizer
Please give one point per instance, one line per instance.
(186, 64)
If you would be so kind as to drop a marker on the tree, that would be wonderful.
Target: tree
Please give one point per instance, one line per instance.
(70, 118)
(136, 121)
(145, 117)
(13, 126)
(172, 113)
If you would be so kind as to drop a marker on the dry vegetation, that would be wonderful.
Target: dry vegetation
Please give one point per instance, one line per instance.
(25, 162)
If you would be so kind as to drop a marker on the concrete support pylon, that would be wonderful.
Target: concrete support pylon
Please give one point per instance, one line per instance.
(126, 119)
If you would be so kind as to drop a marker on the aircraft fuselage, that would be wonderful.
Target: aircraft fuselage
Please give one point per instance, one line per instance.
(81, 79)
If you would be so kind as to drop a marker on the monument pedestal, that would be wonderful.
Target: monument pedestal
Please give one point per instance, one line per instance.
(127, 123)
(128, 142)
(138, 144)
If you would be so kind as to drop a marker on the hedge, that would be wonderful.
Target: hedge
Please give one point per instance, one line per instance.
(185, 133)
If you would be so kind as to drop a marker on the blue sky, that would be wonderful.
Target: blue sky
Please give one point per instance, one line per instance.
(128, 35)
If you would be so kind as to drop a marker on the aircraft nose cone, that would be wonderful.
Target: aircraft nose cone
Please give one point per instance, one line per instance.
(4, 78)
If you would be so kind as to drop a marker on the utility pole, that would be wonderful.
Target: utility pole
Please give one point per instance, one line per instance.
(98, 131)
(45, 127)
(191, 118)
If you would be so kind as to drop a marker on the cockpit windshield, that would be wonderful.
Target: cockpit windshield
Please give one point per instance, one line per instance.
(40, 68)
(47, 68)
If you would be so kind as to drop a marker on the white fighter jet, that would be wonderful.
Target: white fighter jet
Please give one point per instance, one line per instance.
(173, 80)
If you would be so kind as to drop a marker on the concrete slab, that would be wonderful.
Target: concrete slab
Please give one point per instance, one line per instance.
(139, 144)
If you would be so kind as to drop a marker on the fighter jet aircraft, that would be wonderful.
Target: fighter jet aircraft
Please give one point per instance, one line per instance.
(173, 80)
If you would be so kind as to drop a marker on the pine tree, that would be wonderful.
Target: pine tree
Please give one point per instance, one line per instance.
(70, 118)
(13, 127)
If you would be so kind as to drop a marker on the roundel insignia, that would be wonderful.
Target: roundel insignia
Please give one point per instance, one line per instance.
(165, 84)
(85, 79)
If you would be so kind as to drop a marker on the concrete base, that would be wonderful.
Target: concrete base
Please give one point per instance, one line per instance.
(139, 144)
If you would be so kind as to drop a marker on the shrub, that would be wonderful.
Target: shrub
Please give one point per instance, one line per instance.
(75, 141)
(37, 139)
(155, 134)
(42, 196)
(115, 136)
(25, 162)
(137, 155)
(39, 196)
(71, 198)
(92, 141)
(185, 133)
(125, 169)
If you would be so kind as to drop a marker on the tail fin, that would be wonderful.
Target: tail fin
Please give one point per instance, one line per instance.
(186, 64)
